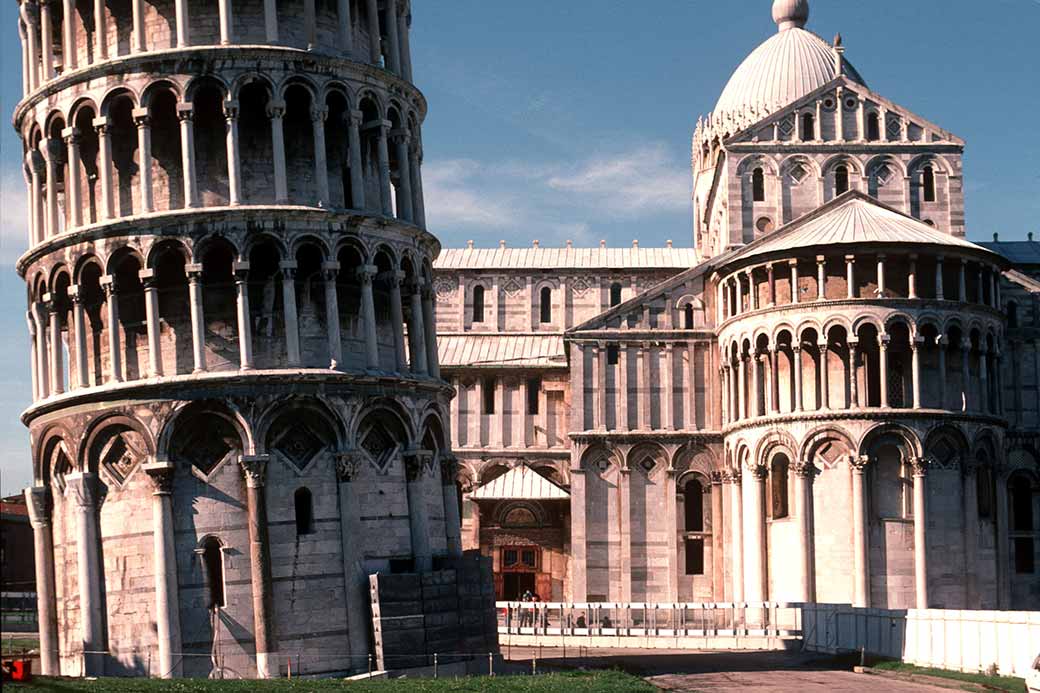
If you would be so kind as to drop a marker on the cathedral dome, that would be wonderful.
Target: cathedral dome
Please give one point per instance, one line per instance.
(784, 68)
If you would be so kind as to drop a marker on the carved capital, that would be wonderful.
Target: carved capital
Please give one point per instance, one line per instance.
(449, 468)
(142, 118)
(920, 465)
(758, 472)
(804, 469)
(276, 110)
(417, 464)
(82, 489)
(255, 469)
(37, 500)
(367, 273)
(185, 112)
(161, 474)
(859, 463)
(230, 109)
(348, 465)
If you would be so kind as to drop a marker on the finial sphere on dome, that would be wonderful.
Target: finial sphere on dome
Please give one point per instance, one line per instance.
(790, 14)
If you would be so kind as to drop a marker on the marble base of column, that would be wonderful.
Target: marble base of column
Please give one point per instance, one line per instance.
(36, 499)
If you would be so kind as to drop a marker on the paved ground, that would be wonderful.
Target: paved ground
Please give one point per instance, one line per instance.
(748, 672)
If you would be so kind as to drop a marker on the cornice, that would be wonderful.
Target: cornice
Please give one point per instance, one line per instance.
(853, 147)
(184, 222)
(223, 384)
(864, 414)
(703, 436)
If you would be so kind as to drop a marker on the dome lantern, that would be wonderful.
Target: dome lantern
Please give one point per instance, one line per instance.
(790, 14)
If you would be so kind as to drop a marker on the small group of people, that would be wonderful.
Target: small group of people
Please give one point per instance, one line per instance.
(527, 612)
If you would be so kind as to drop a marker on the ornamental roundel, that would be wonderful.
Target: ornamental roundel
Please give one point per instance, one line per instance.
(444, 288)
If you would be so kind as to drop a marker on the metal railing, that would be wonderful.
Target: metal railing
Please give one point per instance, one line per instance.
(640, 619)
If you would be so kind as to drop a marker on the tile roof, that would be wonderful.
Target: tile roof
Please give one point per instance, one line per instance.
(520, 483)
(853, 219)
(565, 258)
(501, 350)
(1018, 252)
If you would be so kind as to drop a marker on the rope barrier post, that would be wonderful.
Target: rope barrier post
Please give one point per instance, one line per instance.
(534, 666)
(434, 665)
(491, 663)
(370, 664)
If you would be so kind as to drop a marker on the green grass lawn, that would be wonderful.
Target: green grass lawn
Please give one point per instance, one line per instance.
(1007, 683)
(569, 682)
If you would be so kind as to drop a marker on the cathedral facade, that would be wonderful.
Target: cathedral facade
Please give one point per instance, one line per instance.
(832, 396)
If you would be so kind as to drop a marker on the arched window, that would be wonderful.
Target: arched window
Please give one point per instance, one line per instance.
(304, 505)
(928, 182)
(758, 186)
(778, 469)
(1012, 314)
(545, 305)
(1021, 503)
(688, 316)
(693, 505)
(808, 126)
(615, 294)
(841, 179)
(873, 127)
(478, 303)
(213, 564)
(694, 535)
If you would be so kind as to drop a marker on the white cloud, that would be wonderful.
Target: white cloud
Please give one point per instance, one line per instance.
(554, 200)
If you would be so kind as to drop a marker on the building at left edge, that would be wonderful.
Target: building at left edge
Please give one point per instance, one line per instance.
(237, 410)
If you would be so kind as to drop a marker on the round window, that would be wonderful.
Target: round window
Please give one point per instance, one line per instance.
(764, 225)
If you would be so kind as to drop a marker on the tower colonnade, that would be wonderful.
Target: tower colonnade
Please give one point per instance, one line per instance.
(59, 37)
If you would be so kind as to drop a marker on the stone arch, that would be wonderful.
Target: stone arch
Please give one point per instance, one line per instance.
(299, 431)
(649, 458)
(383, 431)
(54, 440)
(599, 458)
(946, 446)
(899, 431)
(829, 444)
(117, 444)
(204, 433)
(208, 80)
(872, 320)
(159, 85)
(776, 440)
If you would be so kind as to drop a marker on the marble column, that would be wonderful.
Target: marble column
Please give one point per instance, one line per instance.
(962, 282)
(672, 548)
(382, 128)
(115, 346)
(186, 115)
(368, 315)
(667, 387)
(181, 17)
(255, 469)
(374, 35)
(881, 275)
(231, 144)
(850, 276)
(164, 551)
(397, 318)
(144, 152)
(430, 332)
(321, 166)
(349, 466)
(803, 511)
(271, 21)
(794, 280)
(101, 29)
(345, 24)
(68, 27)
(754, 535)
(81, 489)
(226, 20)
(797, 355)
(718, 543)
(625, 492)
(920, 471)
(416, 332)
(449, 495)
(79, 325)
(417, 470)
(276, 113)
(733, 477)
(330, 270)
(418, 204)
(771, 278)
(37, 172)
(393, 48)
(198, 318)
(579, 588)
(621, 398)
(940, 344)
(825, 394)
(883, 341)
(245, 327)
(860, 537)
(970, 511)
(911, 280)
(37, 500)
(966, 403)
(30, 16)
(292, 320)
(742, 403)
(939, 295)
(152, 320)
(74, 201)
(357, 179)
(854, 374)
(38, 315)
(57, 367)
(821, 276)
(53, 150)
(401, 141)
(915, 368)
(690, 415)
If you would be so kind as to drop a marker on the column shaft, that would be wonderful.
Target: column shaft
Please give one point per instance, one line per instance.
(137, 10)
(271, 20)
(245, 328)
(672, 550)
(418, 204)
(355, 577)
(824, 379)
(81, 490)
(368, 310)
(357, 180)
(384, 169)
(255, 468)
(167, 603)
(625, 595)
(915, 367)
(860, 554)
(430, 333)
(57, 360)
(920, 536)
(803, 509)
(397, 318)
(579, 589)
(417, 334)
(73, 197)
(393, 48)
(52, 149)
(754, 537)
(198, 319)
(332, 316)
(144, 151)
(115, 349)
(151, 308)
(374, 36)
(68, 27)
(181, 15)
(883, 370)
(275, 111)
(321, 166)
(797, 354)
(101, 31)
(404, 179)
(231, 144)
(345, 22)
(186, 114)
(292, 321)
(736, 535)
(36, 499)
(79, 325)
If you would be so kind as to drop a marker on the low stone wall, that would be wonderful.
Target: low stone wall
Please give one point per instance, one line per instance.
(448, 613)
(970, 641)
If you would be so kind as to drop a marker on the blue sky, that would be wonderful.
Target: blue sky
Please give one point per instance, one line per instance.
(558, 120)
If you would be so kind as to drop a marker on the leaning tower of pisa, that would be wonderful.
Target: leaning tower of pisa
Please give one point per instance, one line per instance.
(237, 410)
